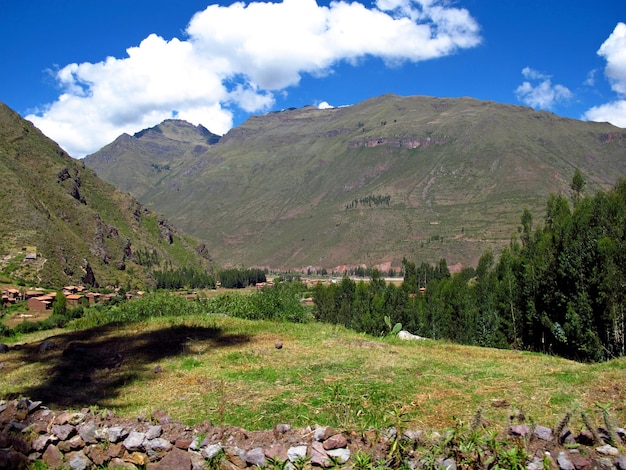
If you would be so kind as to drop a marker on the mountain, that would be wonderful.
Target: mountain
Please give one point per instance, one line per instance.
(137, 162)
(371, 183)
(61, 224)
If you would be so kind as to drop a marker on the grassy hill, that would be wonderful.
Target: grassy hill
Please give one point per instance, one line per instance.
(371, 183)
(228, 371)
(80, 229)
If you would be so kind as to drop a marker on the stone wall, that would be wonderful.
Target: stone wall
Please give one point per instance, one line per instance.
(29, 432)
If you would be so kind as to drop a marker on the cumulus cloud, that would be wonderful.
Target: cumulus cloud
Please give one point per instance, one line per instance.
(239, 57)
(325, 105)
(614, 51)
(539, 92)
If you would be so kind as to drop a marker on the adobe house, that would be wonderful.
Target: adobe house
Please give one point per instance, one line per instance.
(73, 299)
(40, 303)
(93, 297)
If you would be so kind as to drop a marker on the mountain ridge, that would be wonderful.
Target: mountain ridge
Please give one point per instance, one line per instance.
(283, 189)
(81, 228)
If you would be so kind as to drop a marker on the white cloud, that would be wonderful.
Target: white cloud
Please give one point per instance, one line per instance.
(239, 56)
(614, 51)
(614, 112)
(541, 94)
(325, 105)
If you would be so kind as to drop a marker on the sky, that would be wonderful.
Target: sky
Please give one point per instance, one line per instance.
(86, 71)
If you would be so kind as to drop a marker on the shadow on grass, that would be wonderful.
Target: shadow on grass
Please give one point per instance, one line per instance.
(90, 367)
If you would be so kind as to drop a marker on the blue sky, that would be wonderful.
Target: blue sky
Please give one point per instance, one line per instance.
(86, 71)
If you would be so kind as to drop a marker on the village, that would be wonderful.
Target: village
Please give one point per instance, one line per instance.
(39, 302)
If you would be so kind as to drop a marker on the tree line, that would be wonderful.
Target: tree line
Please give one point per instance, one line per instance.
(240, 278)
(559, 287)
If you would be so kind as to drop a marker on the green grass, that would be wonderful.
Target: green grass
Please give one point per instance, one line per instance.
(229, 372)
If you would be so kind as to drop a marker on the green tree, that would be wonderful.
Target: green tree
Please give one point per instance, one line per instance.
(577, 186)
(59, 307)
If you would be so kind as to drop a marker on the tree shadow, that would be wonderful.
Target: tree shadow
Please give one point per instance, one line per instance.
(90, 367)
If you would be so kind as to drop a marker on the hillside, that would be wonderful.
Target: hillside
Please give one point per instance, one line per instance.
(371, 183)
(77, 228)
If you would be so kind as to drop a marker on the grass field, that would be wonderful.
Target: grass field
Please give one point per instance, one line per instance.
(230, 372)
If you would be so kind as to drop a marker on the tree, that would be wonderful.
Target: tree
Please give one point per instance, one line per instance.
(577, 186)
(59, 307)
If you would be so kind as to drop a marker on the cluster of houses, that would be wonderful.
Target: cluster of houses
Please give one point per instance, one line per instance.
(42, 301)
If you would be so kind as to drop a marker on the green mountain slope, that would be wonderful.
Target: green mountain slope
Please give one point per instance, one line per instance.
(81, 228)
(370, 183)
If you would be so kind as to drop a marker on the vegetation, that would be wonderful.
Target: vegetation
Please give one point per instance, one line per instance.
(240, 278)
(228, 371)
(190, 278)
(560, 289)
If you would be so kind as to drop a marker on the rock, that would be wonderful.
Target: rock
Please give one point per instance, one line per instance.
(10, 459)
(581, 462)
(21, 409)
(78, 461)
(97, 454)
(521, 430)
(76, 418)
(153, 432)
(134, 441)
(211, 451)
(448, 464)
(340, 456)
(256, 457)
(161, 417)
(282, 428)
(157, 448)
(4, 348)
(277, 452)
(278, 344)
(62, 431)
(73, 443)
(46, 345)
(405, 335)
(564, 462)
(607, 450)
(235, 456)
(115, 450)
(323, 433)
(335, 442)
(296, 453)
(604, 463)
(176, 459)
(183, 443)
(87, 432)
(40, 443)
(413, 435)
(543, 433)
(620, 463)
(52, 457)
(318, 455)
(137, 458)
(116, 433)
(197, 462)
(585, 438)
(119, 464)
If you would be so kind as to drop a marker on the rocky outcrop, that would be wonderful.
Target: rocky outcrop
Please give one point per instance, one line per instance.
(92, 438)
(399, 142)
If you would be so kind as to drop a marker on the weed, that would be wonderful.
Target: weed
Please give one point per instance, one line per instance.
(513, 458)
(361, 461)
(609, 424)
(591, 428)
(558, 430)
